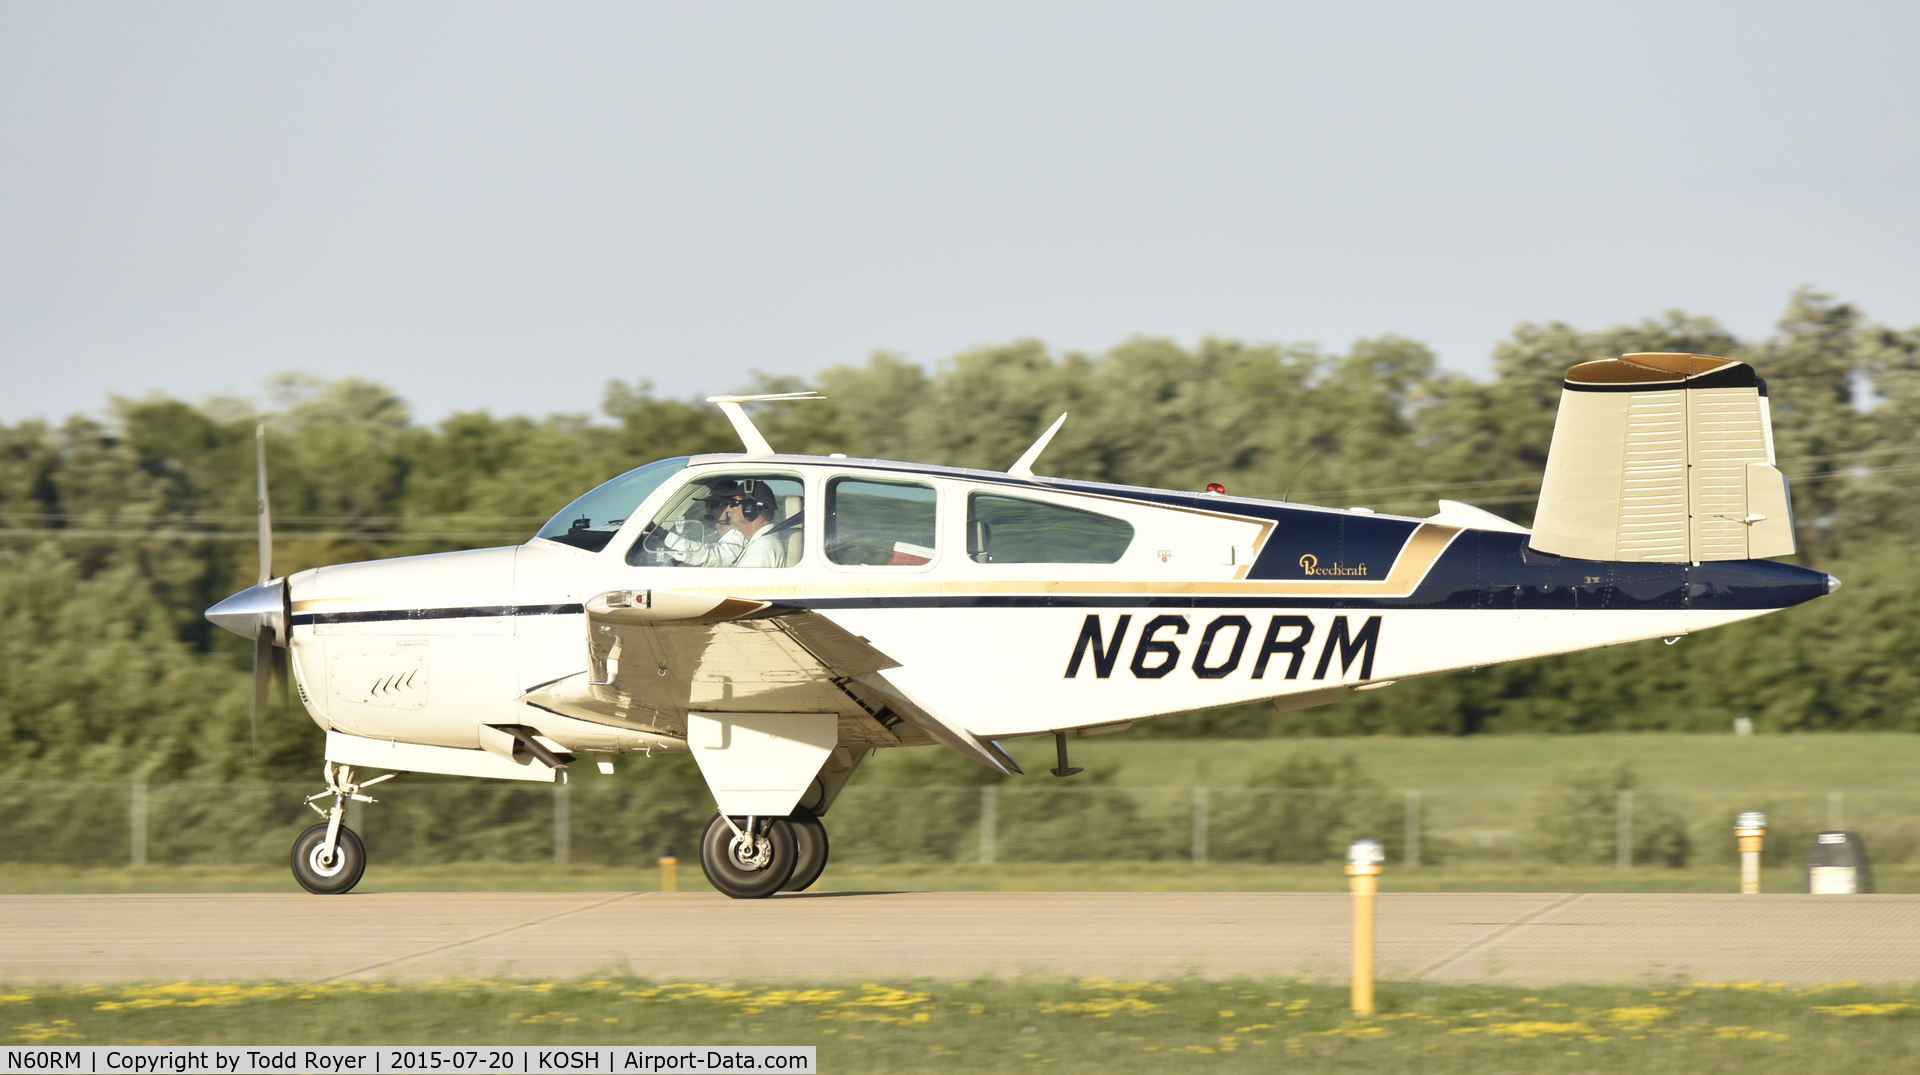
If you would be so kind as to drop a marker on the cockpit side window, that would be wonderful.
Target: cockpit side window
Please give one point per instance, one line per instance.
(879, 523)
(1007, 530)
(727, 520)
(591, 521)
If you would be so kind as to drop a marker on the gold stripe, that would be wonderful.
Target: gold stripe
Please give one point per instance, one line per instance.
(1684, 363)
(1416, 558)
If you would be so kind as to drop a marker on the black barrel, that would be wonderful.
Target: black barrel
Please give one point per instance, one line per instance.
(1837, 865)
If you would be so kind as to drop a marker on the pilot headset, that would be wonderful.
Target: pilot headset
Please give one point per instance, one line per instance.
(752, 493)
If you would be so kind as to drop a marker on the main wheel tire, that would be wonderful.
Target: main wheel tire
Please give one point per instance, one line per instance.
(328, 878)
(760, 872)
(810, 849)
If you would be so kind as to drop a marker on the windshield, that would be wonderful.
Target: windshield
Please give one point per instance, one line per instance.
(589, 522)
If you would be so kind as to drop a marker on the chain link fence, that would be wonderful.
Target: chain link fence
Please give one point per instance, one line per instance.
(604, 822)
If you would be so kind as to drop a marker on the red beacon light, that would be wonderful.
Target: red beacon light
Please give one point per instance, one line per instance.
(1216, 489)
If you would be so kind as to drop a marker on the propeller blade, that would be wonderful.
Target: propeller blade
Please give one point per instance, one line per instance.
(266, 517)
(269, 661)
(286, 681)
(262, 671)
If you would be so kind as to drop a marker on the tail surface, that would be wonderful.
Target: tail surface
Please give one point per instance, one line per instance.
(1664, 458)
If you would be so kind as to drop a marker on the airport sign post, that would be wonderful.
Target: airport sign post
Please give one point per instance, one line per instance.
(1363, 874)
(1751, 828)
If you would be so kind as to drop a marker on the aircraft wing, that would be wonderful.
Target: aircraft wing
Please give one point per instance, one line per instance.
(653, 656)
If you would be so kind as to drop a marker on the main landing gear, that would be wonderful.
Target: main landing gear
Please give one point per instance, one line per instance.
(329, 858)
(751, 858)
(810, 850)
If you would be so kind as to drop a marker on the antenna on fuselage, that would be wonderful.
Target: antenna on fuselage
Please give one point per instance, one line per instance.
(1318, 452)
(1023, 467)
(750, 436)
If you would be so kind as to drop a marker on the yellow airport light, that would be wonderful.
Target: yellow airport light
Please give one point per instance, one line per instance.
(1751, 828)
(1363, 874)
(669, 872)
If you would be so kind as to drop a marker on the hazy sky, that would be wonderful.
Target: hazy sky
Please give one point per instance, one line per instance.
(503, 207)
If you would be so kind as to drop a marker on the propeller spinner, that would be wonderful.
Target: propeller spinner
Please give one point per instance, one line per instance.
(260, 612)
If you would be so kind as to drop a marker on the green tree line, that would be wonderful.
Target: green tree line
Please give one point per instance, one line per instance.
(116, 534)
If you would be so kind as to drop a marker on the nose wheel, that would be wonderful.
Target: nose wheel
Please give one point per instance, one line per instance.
(329, 858)
(325, 874)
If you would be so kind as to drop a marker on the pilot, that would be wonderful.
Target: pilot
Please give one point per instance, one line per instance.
(746, 512)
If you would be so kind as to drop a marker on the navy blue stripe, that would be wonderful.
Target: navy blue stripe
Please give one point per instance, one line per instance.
(1507, 597)
(1630, 386)
(1481, 569)
(1738, 375)
(389, 615)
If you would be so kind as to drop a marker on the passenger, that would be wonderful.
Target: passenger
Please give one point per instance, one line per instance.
(746, 512)
(715, 507)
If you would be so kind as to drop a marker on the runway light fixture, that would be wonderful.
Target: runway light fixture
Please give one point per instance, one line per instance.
(669, 871)
(1751, 828)
(1364, 859)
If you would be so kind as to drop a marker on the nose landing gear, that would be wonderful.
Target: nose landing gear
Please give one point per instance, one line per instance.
(328, 858)
(327, 871)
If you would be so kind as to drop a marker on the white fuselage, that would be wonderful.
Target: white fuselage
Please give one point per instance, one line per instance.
(427, 649)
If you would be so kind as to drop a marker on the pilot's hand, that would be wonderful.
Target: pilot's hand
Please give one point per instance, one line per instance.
(687, 535)
(683, 535)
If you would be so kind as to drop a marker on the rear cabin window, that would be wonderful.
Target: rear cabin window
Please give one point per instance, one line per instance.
(1005, 530)
(879, 524)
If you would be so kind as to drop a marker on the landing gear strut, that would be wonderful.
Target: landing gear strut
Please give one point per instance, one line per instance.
(1060, 744)
(329, 858)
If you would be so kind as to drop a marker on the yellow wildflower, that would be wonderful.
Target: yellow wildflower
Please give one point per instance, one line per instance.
(1536, 1028)
(1850, 1011)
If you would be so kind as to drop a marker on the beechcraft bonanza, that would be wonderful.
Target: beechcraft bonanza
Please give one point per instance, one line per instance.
(780, 616)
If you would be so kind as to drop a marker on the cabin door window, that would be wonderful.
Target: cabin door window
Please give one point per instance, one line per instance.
(880, 523)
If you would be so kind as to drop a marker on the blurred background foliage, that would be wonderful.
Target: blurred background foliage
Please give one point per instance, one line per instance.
(115, 535)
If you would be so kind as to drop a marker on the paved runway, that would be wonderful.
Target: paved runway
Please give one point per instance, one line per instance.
(1520, 938)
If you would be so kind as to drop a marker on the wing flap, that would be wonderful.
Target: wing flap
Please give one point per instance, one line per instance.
(671, 654)
(834, 646)
(675, 653)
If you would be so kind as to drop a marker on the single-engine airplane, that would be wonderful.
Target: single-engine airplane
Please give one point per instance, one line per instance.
(780, 616)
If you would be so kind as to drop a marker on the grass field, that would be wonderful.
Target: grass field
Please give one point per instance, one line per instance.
(1479, 797)
(1092, 1025)
(1761, 764)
